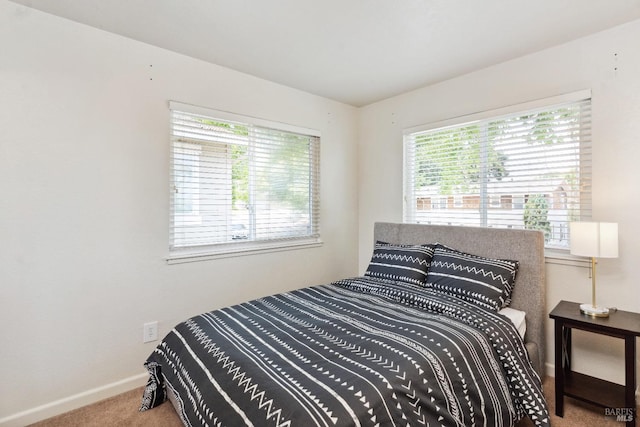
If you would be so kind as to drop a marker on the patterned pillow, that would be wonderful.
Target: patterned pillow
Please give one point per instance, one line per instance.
(401, 263)
(483, 281)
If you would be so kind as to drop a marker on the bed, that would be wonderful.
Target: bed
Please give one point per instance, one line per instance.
(419, 339)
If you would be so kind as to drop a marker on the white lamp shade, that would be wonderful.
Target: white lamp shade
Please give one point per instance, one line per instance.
(594, 239)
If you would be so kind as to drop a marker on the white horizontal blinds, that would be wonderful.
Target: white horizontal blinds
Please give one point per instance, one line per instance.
(237, 183)
(285, 184)
(528, 169)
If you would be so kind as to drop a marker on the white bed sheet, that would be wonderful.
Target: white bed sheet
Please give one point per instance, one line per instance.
(517, 317)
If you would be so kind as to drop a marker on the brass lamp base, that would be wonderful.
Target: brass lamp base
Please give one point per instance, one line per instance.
(594, 311)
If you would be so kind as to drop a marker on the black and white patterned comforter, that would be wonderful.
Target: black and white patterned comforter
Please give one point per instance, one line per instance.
(358, 352)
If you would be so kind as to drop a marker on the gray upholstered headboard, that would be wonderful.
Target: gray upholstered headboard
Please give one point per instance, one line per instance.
(525, 246)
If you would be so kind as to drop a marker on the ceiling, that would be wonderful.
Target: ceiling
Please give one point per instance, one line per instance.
(353, 51)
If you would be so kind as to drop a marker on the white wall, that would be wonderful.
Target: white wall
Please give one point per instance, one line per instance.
(608, 63)
(84, 206)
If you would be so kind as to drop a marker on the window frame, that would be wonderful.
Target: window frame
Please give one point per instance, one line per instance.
(409, 211)
(232, 247)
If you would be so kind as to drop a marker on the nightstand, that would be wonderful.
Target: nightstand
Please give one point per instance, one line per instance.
(619, 401)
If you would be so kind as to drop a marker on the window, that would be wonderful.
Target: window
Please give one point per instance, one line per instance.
(240, 184)
(527, 167)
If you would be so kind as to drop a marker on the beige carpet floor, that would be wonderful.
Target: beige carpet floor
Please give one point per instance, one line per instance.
(122, 410)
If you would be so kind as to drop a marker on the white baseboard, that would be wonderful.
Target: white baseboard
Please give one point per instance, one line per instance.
(76, 401)
(550, 369)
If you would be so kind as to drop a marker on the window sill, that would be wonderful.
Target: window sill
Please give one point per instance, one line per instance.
(234, 250)
(560, 257)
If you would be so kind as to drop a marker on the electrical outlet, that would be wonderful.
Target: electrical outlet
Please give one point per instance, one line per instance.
(150, 332)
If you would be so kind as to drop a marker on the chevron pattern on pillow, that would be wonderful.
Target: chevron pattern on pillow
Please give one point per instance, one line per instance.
(400, 263)
(486, 282)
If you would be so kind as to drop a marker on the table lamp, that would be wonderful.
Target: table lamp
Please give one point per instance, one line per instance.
(594, 240)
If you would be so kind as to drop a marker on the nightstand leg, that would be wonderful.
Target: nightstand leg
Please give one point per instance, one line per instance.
(630, 376)
(560, 349)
